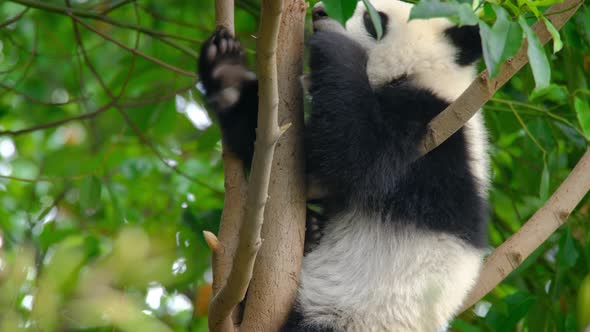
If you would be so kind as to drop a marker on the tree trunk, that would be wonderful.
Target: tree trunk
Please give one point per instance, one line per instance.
(275, 280)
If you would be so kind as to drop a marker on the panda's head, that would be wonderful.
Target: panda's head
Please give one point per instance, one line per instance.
(433, 53)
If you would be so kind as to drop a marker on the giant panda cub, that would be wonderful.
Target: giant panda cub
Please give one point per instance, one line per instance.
(401, 236)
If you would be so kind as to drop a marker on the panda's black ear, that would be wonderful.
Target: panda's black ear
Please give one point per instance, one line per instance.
(467, 40)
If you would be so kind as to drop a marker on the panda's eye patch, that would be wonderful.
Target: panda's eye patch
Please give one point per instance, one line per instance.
(371, 28)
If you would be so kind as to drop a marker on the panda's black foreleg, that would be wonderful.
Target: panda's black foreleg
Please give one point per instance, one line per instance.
(344, 131)
(358, 139)
(231, 91)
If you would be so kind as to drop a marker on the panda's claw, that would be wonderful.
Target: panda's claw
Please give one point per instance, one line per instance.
(211, 52)
(222, 46)
(224, 69)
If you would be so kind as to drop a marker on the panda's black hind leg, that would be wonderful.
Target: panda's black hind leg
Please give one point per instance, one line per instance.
(231, 90)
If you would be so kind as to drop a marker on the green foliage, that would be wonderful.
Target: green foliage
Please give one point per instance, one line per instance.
(557, 43)
(124, 194)
(506, 314)
(501, 41)
(101, 218)
(342, 10)
(375, 18)
(584, 302)
(583, 111)
(459, 13)
(537, 58)
(339, 10)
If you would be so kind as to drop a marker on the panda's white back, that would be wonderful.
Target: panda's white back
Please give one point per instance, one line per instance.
(366, 275)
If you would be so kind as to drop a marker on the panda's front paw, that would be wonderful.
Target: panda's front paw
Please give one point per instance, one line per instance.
(222, 69)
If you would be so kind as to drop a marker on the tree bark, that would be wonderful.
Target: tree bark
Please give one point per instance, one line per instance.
(224, 245)
(267, 135)
(275, 280)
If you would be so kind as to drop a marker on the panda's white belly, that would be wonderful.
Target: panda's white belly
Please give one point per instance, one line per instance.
(367, 275)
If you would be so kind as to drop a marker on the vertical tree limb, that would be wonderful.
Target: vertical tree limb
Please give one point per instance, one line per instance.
(483, 88)
(224, 14)
(267, 135)
(224, 245)
(542, 224)
(275, 280)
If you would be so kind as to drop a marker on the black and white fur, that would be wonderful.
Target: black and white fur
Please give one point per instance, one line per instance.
(402, 237)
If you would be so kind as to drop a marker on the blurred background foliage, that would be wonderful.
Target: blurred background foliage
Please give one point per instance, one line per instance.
(110, 168)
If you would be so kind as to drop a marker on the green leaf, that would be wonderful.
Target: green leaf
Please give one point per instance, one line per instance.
(582, 21)
(463, 326)
(537, 58)
(163, 120)
(458, 13)
(340, 10)
(568, 254)
(583, 112)
(501, 41)
(544, 187)
(536, 319)
(506, 315)
(555, 93)
(90, 194)
(375, 18)
(584, 302)
(557, 43)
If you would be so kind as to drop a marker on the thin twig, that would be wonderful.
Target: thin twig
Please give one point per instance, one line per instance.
(527, 131)
(115, 6)
(54, 8)
(14, 18)
(58, 122)
(134, 51)
(163, 37)
(27, 65)
(144, 101)
(159, 16)
(35, 100)
(539, 111)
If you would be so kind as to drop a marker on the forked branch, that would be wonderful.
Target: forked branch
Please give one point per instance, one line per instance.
(267, 134)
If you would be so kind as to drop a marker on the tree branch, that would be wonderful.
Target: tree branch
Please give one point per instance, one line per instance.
(166, 38)
(235, 193)
(35, 100)
(274, 283)
(267, 136)
(107, 10)
(537, 229)
(483, 88)
(58, 122)
(133, 50)
(14, 18)
(54, 8)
